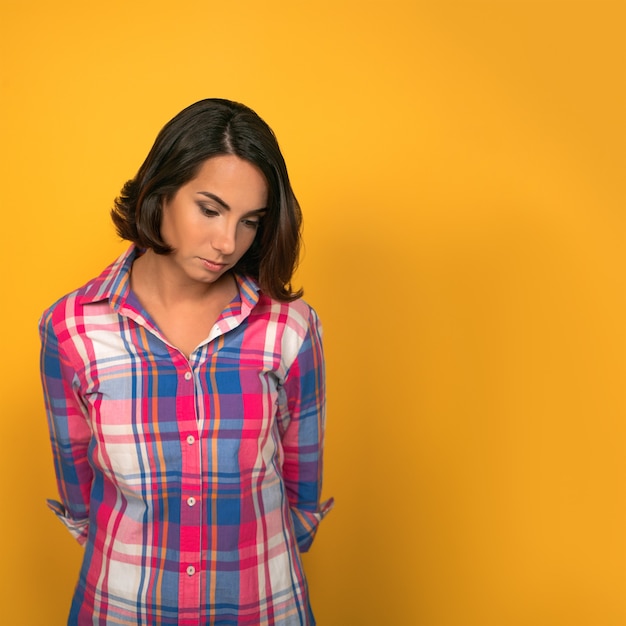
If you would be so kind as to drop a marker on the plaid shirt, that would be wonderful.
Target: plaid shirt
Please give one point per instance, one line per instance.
(194, 484)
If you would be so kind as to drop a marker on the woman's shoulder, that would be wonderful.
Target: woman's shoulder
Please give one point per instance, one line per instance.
(66, 311)
(68, 308)
(293, 320)
(297, 311)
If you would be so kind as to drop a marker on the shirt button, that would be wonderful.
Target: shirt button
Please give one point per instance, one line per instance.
(187, 375)
(191, 570)
(191, 439)
(191, 501)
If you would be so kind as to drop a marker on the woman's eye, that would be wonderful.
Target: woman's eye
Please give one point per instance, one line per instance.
(208, 211)
(251, 223)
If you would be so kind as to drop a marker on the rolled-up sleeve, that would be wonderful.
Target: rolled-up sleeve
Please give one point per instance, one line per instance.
(69, 433)
(302, 413)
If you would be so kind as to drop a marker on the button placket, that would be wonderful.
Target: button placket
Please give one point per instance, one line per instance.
(190, 535)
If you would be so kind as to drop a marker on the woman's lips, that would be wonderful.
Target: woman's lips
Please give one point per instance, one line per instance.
(212, 266)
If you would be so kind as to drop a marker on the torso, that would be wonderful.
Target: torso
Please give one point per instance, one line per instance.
(160, 434)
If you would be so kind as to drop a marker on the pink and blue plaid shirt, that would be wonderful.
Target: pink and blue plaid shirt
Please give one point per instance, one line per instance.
(194, 484)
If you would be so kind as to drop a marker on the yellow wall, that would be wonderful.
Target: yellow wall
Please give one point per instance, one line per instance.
(461, 168)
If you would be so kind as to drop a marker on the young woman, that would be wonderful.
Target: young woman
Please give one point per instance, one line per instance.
(184, 388)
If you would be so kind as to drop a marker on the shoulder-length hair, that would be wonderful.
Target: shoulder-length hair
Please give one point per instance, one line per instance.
(206, 129)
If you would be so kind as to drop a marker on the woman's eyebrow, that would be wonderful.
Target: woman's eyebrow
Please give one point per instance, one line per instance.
(217, 199)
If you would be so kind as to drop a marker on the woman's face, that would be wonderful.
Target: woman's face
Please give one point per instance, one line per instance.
(212, 220)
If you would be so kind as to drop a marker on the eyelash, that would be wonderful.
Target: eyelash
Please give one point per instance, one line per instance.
(209, 212)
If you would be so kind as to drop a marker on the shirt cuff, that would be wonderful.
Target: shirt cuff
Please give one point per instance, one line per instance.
(306, 523)
(77, 527)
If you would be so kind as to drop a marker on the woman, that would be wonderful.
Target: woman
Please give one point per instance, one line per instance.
(184, 388)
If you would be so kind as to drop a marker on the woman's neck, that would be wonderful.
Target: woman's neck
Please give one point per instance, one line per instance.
(155, 278)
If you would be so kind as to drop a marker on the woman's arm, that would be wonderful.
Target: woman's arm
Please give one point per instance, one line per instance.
(69, 433)
(302, 408)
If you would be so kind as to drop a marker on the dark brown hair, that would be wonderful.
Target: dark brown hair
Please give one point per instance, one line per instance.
(203, 130)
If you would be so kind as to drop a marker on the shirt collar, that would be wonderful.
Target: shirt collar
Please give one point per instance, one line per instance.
(113, 282)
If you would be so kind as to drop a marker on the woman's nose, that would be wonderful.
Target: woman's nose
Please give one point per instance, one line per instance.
(224, 240)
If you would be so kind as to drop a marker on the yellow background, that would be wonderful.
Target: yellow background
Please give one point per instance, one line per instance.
(461, 170)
